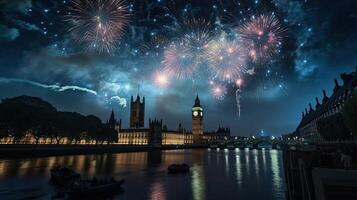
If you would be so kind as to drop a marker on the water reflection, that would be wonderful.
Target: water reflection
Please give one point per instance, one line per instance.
(246, 152)
(276, 170)
(226, 161)
(157, 191)
(214, 174)
(264, 159)
(256, 164)
(238, 170)
(198, 183)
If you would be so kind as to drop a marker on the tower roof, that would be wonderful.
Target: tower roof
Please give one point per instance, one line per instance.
(197, 102)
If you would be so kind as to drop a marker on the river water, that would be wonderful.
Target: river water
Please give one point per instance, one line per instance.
(215, 174)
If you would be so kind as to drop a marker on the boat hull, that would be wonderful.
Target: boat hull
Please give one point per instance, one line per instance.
(101, 190)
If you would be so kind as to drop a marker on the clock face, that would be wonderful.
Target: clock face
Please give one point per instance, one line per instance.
(195, 113)
(201, 113)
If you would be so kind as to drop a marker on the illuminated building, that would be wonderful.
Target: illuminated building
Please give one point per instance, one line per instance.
(307, 128)
(219, 134)
(197, 120)
(198, 130)
(156, 134)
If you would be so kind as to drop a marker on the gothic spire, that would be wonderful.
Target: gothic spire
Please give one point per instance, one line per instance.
(325, 98)
(112, 118)
(197, 102)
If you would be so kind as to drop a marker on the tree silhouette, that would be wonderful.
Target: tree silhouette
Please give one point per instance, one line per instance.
(333, 128)
(108, 135)
(93, 127)
(24, 114)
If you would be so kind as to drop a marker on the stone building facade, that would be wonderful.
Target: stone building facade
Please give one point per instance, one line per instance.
(220, 134)
(137, 112)
(307, 128)
(155, 134)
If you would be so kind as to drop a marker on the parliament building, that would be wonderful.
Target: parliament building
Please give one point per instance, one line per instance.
(157, 134)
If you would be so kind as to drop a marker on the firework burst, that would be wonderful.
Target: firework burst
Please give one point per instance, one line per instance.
(161, 79)
(262, 37)
(180, 61)
(197, 33)
(97, 24)
(154, 45)
(227, 60)
(183, 57)
(218, 90)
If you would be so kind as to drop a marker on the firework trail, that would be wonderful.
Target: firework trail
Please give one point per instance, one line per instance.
(238, 96)
(97, 24)
(262, 37)
(239, 83)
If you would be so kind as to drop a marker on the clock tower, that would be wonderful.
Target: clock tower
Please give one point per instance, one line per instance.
(197, 121)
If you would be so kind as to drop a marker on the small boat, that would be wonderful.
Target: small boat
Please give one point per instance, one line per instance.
(93, 188)
(63, 175)
(178, 168)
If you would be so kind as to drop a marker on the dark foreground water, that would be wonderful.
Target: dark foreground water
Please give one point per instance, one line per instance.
(215, 174)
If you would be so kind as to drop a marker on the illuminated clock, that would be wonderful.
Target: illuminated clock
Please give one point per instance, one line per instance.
(195, 113)
(201, 113)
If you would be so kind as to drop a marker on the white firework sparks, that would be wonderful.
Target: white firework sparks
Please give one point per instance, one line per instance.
(97, 24)
(227, 59)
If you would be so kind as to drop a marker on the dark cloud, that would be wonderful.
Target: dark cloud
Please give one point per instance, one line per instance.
(21, 6)
(25, 25)
(47, 63)
(8, 34)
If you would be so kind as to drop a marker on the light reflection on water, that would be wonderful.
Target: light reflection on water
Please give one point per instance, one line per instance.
(232, 174)
(238, 171)
(198, 182)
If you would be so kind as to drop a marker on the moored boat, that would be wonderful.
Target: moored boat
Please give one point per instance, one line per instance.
(93, 188)
(213, 146)
(63, 175)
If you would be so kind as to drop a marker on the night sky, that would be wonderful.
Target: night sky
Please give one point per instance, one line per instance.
(168, 49)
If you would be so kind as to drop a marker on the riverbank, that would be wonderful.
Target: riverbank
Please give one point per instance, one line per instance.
(32, 150)
(321, 171)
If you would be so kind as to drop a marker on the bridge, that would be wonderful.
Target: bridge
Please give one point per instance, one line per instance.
(253, 142)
